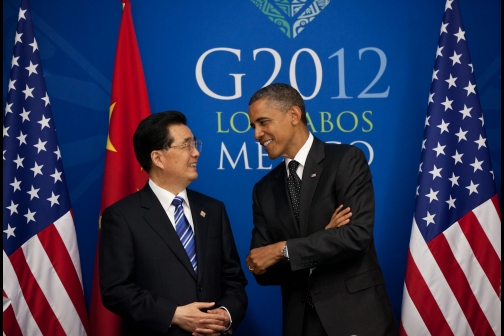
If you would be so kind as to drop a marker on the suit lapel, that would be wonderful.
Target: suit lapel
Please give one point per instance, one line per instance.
(201, 222)
(158, 220)
(311, 176)
(282, 201)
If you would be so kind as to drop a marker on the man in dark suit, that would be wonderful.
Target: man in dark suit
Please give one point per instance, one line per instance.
(168, 260)
(324, 261)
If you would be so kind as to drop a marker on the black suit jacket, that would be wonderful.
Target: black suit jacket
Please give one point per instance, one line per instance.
(145, 272)
(347, 285)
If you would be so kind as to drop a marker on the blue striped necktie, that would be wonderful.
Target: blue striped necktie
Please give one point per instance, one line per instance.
(184, 231)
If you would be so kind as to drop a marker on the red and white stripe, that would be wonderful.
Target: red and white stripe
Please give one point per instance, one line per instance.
(452, 283)
(44, 283)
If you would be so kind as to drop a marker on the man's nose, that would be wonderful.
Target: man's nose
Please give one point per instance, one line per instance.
(258, 133)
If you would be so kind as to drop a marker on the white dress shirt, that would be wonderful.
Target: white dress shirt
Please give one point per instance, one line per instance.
(166, 199)
(300, 157)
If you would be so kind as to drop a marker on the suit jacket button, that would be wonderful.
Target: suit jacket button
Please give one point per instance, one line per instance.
(200, 288)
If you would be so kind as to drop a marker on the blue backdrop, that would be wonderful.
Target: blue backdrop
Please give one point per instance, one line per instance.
(363, 67)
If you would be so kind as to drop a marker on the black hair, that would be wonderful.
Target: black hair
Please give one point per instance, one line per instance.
(281, 96)
(153, 133)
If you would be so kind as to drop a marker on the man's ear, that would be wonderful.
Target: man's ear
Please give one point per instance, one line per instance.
(295, 115)
(157, 158)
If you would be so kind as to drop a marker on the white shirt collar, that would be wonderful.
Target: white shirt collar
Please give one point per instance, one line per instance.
(301, 155)
(166, 197)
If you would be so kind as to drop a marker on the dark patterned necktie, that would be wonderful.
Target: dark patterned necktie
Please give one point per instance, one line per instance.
(185, 232)
(294, 185)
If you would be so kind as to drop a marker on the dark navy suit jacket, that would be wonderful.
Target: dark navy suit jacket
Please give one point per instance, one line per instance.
(347, 285)
(145, 272)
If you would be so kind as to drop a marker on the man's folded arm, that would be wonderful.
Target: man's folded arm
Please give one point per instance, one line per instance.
(355, 190)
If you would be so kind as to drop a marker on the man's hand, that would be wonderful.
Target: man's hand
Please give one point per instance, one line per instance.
(340, 217)
(211, 326)
(260, 258)
(189, 318)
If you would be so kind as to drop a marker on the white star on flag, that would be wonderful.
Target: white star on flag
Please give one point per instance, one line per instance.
(22, 138)
(11, 85)
(451, 81)
(44, 122)
(30, 216)
(18, 161)
(470, 88)
(37, 169)
(466, 112)
(24, 115)
(447, 104)
(21, 14)
(53, 199)
(40, 145)
(14, 61)
(457, 157)
(34, 45)
(12, 208)
(434, 74)
(429, 218)
(56, 175)
(46, 99)
(8, 108)
(439, 149)
(451, 202)
(9, 231)
(16, 185)
(32, 69)
(431, 97)
(460, 35)
(443, 126)
(481, 142)
(432, 195)
(18, 38)
(477, 165)
(28, 92)
(33, 193)
(461, 134)
(456, 58)
(473, 188)
(436, 172)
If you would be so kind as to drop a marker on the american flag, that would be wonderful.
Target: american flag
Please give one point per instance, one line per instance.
(452, 283)
(41, 266)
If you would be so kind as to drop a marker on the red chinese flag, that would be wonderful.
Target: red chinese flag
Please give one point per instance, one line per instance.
(123, 174)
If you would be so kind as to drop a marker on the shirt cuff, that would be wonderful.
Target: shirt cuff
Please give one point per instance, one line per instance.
(227, 330)
(285, 251)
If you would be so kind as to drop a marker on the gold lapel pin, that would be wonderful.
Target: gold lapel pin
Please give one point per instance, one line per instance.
(202, 213)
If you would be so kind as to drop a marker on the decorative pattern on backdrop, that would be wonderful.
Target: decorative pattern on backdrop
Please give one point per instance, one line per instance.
(285, 14)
